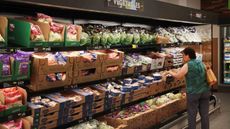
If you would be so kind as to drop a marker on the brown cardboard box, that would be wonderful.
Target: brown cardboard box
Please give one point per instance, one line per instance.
(106, 74)
(48, 117)
(92, 77)
(81, 64)
(39, 82)
(107, 61)
(41, 66)
(98, 109)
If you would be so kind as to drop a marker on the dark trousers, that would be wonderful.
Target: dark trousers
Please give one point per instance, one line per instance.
(195, 103)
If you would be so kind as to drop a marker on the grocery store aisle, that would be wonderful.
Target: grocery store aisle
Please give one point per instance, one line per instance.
(222, 120)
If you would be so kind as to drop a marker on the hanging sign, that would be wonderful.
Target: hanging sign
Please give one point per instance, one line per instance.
(136, 5)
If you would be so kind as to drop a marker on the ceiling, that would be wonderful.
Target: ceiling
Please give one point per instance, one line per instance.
(217, 6)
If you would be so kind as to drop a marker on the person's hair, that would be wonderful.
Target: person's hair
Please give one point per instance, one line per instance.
(190, 52)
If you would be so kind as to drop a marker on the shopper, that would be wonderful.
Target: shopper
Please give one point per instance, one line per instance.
(197, 89)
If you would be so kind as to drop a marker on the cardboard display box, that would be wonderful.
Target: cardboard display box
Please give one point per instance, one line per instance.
(105, 74)
(20, 29)
(80, 62)
(6, 78)
(106, 60)
(3, 30)
(39, 82)
(41, 66)
(73, 43)
(96, 75)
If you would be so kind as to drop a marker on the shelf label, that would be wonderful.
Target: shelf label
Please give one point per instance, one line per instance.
(135, 5)
(134, 46)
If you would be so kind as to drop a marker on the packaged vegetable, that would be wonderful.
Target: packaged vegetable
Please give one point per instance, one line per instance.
(6, 64)
(85, 39)
(14, 124)
(71, 33)
(36, 33)
(24, 61)
(44, 18)
(56, 32)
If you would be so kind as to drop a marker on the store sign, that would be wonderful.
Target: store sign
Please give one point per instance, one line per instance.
(136, 5)
(228, 4)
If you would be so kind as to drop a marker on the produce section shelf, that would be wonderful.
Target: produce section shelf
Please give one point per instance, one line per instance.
(15, 116)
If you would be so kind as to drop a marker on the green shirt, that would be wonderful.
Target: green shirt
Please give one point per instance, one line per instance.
(196, 77)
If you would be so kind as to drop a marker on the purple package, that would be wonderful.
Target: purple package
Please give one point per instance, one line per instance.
(5, 60)
(24, 61)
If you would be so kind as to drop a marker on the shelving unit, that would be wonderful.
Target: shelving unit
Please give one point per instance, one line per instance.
(101, 11)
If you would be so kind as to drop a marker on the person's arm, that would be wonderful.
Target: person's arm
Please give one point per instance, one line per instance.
(181, 73)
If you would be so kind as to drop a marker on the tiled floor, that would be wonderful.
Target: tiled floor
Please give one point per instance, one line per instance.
(222, 120)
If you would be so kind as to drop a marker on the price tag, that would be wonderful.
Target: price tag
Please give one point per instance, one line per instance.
(134, 46)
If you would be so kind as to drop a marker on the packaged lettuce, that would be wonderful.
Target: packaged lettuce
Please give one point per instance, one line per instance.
(85, 39)
(129, 39)
(144, 38)
(114, 38)
(123, 37)
(104, 38)
(96, 38)
(136, 38)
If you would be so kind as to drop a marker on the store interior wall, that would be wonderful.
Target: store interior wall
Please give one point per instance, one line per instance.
(187, 3)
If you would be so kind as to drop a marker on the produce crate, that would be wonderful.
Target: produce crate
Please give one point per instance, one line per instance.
(165, 111)
(3, 30)
(107, 61)
(73, 117)
(98, 102)
(39, 82)
(48, 125)
(127, 70)
(19, 32)
(149, 118)
(80, 62)
(38, 111)
(41, 66)
(105, 74)
(111, 122)
(68, 111)
(79, 78)
(48, 117)
(98, 109)
(160, 87)
(182, 104)
(152, 89)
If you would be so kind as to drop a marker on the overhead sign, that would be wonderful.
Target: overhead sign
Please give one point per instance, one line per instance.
(136, 5)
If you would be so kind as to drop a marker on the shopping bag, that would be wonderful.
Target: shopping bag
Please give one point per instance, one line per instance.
(211, 78)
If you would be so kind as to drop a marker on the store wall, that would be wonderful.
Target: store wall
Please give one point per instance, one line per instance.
(187, 3)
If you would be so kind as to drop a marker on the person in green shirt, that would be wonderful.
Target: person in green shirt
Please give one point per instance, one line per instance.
(197, 89)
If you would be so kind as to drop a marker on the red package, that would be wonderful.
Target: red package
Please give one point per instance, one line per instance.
(44, 18)
(57, 28)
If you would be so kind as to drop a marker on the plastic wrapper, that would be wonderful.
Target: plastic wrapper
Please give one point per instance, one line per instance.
(92, 124)
(96, 38)
(104, 38)
(1, 38)
(44, 18)
(71, 33)
(13, 97)
(36, 33)
(56, 77)
(6, 64)
(14, 124)
(55, 32)
(114, 38)
(24, 59)
(85, 39)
